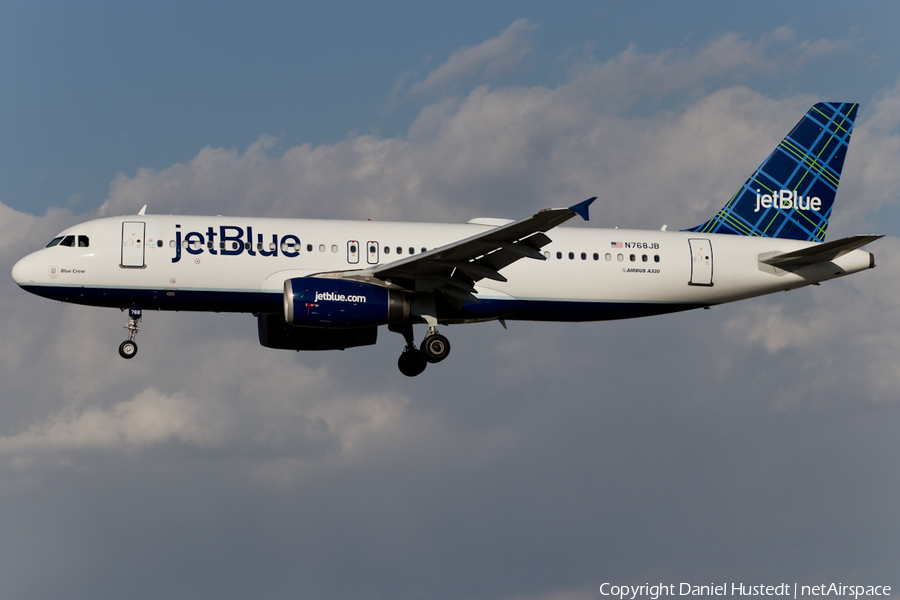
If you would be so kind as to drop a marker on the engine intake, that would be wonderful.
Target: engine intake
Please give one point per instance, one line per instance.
(320, 302)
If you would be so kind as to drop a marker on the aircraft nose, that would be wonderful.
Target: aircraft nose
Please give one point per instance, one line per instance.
(23, 271)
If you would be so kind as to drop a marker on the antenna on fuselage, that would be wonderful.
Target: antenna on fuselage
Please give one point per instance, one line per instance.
(143, 210)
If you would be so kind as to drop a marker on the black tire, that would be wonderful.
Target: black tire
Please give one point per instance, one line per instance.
(412, 363)
(127, 349)
(435, 348)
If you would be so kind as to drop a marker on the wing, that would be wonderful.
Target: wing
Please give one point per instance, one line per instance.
(453, 269)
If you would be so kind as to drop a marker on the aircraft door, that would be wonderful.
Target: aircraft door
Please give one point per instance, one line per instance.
(133, 244)
(701, 262)
(372, 248)
(353, 252)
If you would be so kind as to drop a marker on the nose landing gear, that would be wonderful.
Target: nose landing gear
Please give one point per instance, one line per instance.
(128, 348)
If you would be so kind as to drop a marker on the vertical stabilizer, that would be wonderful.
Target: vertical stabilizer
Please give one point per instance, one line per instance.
(791, 194)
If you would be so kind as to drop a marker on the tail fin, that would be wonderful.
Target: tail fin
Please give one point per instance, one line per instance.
(791, 194)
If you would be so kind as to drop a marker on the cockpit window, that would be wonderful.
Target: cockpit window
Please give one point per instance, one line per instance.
(83, 241)
(69, 240)
(54, 242)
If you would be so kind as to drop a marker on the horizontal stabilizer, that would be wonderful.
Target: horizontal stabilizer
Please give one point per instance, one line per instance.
(819, 253)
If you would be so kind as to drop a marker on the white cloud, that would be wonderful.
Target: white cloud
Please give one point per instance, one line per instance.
(150, 418)
(490, 57)
(635, 73)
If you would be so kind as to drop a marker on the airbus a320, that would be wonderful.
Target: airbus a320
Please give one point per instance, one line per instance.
(330, 285)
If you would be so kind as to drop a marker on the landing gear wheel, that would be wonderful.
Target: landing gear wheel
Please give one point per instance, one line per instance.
(412, 362)
(435, 348)
(127, 349)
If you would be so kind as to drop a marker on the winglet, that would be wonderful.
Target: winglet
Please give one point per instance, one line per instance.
(581, 209)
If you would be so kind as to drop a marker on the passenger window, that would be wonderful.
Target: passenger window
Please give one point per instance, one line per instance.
(234, 245)
(387, 249)
(53, 242)
(69, 240)
(399, 250)
(608, 256)
(158, 242)
(571, 255)
(321, 247)
(84, 242)
(309, 247)
(423, 250)
(632, 257)
(412, 250)
(171, 243)
(620, 257)
(559, 255)
(596, 256)
(584, 256)
(644, 258)
(334, 248)
(656, 258)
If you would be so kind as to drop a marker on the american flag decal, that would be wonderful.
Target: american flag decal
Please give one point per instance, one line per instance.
(616, 244)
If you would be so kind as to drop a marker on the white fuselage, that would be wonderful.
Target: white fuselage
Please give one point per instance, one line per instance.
(241, 264)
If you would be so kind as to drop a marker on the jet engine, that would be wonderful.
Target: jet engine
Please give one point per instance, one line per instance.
(341, 303)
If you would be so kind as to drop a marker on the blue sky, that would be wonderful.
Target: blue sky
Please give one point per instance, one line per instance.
(97, 88)
(752, 442)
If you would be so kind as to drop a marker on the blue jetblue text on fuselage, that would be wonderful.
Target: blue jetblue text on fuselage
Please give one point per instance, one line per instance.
(786, 200)
(232, 242)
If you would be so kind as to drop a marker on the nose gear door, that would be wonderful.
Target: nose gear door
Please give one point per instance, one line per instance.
(133, 244)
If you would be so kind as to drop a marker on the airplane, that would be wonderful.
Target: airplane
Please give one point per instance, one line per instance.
(330, 285)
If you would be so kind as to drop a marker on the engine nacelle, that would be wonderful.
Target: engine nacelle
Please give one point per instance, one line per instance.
(320, 302)
(275, 333)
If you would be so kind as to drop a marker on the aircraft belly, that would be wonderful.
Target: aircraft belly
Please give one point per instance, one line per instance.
(161, 299)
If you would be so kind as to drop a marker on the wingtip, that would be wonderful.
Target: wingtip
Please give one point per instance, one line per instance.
(581, 209)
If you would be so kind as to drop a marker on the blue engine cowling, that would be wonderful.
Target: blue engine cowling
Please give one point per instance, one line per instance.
(320, 302)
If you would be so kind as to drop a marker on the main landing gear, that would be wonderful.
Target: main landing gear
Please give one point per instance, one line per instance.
(413, 361)
(128, 348)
